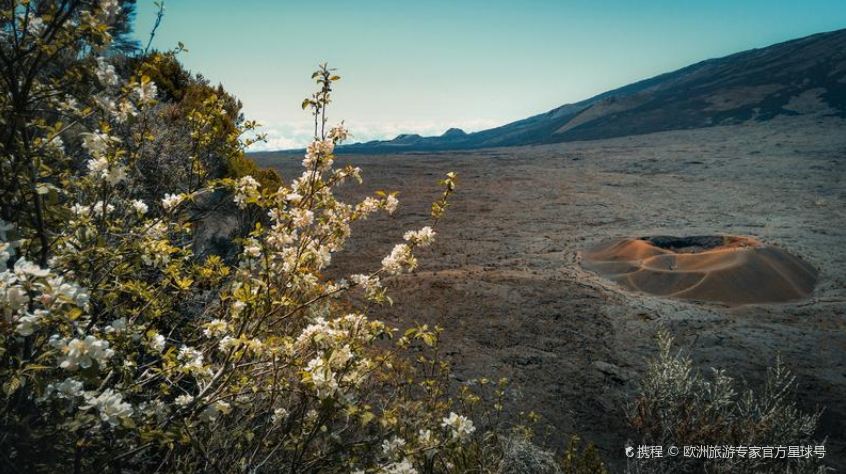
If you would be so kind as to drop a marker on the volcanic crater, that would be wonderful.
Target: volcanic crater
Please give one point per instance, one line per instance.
(732, 270)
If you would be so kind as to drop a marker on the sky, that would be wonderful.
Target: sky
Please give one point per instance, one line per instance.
(425, 66)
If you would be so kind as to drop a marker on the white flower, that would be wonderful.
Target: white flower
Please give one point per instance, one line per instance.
(156, 342)
(68, 388)
(34, 25)
(146, 91)
(339, 133)
(183, 400)
(321, 253)
(280, 236)
(322, 377)
(24, 268)
(368, 206)
(80, 210)
(245, 189)
(191, 358)
(106, 73)
(29, 322)
(317, 155)
(252, 248)
(324, 147)
(97, 143)
(15, 297)
(237, 307)
(279, 415)
(100, 208)
(228, 342)
(460, 426)
(340, 357)
(76, 353)
(393, 262)
(276, 215)
(215, 327)
(139, 206)
(302, 217)
(215, 409)
(69, 104)
(109, 9)
(110, 406)
(364, 280)
(154, 409)
(393, 448)
(115, 175)
(391, 203)
(371, 285)
(68, 292)
(98, 166)
(403, 467)
(400, 258)
(318, 333)
(423, 237)
(106, 103)
(425, 438)
(172, 200)
(156, 231)
(57, 144)
(125, 110)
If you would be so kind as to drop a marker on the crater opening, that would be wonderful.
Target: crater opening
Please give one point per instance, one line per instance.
(728, 269)
(693, 244)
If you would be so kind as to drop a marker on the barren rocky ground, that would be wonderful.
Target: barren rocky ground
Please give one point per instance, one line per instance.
(505, 282)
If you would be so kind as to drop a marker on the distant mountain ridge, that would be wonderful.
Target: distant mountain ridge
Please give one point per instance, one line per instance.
(801, 76)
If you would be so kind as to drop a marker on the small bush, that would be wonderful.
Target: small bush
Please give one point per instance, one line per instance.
(582, 458)
(239, 166)
(678, 406)
(520, 456)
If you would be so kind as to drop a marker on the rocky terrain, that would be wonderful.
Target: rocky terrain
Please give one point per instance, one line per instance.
(506, 282)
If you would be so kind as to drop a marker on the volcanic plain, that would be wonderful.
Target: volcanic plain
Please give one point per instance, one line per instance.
(506, 280)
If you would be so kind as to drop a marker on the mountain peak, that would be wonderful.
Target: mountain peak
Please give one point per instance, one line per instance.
(454, 132)
(406, 138)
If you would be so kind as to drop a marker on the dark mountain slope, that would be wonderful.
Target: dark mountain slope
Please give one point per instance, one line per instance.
(802, 76)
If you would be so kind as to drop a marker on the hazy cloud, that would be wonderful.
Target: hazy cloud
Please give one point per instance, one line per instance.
(282, 136)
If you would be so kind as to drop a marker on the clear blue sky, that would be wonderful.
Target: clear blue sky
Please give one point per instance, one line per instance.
(424, 66)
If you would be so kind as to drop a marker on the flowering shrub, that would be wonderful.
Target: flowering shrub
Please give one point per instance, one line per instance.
(120, 348)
